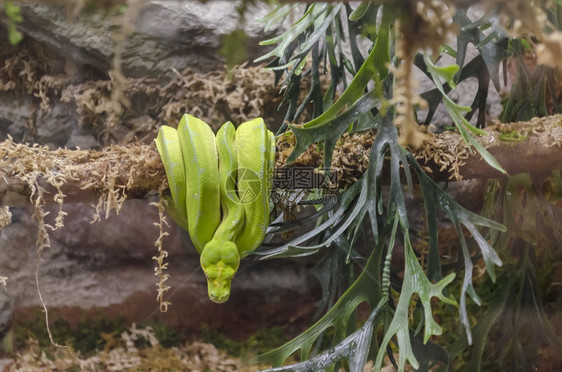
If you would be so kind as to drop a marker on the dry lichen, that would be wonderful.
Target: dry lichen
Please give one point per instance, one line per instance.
(38, 168)
(426, 26)
(107, 174)
(447, 151)
(118, 172)
(31, 176)
(548, 129)
(349, 161)
(3, 280)
(162, 288)
(142, 104)
(5, 217)
(526, 18)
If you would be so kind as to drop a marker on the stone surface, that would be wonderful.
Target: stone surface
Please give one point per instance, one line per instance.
(5, 312)
(14, 113)
(83, 140)
(54, 126)
(167, 34)
(107, 268)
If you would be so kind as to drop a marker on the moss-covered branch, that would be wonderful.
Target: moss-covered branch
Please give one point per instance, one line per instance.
(133, 171)
(31, 172)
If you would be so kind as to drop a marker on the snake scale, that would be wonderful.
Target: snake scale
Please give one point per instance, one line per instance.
(220, 188)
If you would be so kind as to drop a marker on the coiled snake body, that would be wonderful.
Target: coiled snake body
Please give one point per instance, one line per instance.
(220, 190)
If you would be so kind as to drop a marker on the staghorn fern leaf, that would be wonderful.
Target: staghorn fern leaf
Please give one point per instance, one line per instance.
(354, 348)
(492, 53)
(277, 16)
(337, 219)
(415, 281)
(365, 288)
(331, 130)
(480, 331)
(435, 196)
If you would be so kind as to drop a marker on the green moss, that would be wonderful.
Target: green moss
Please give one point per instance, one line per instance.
(166, 336)
(91, 335)
(260, 342)
(34, 328)
(512, 136)
(86, 337)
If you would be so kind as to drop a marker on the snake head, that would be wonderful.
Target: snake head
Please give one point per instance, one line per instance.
(219, 260)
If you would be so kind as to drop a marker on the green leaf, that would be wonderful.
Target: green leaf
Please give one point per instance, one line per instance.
(455, 111)
(340, 220)
(13, 12)
(375, 66)
(446, 72)
(277, 16)
(328, 271)
(14, 36)
(480, 331)
(330, 130)
(329, 126)
(284, 40)
(415, 281)
(355, 348)
(434, 195)
(360, 11)
(365, 288)
(492, 53)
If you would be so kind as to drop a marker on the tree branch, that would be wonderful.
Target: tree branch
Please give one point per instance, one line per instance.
(28, 172)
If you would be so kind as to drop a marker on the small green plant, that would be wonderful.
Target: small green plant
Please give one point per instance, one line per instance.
(13, 12)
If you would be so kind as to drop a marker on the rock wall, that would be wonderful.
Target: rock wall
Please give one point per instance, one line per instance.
(164, 34)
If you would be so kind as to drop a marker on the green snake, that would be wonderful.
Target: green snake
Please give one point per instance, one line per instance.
(220, 188)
